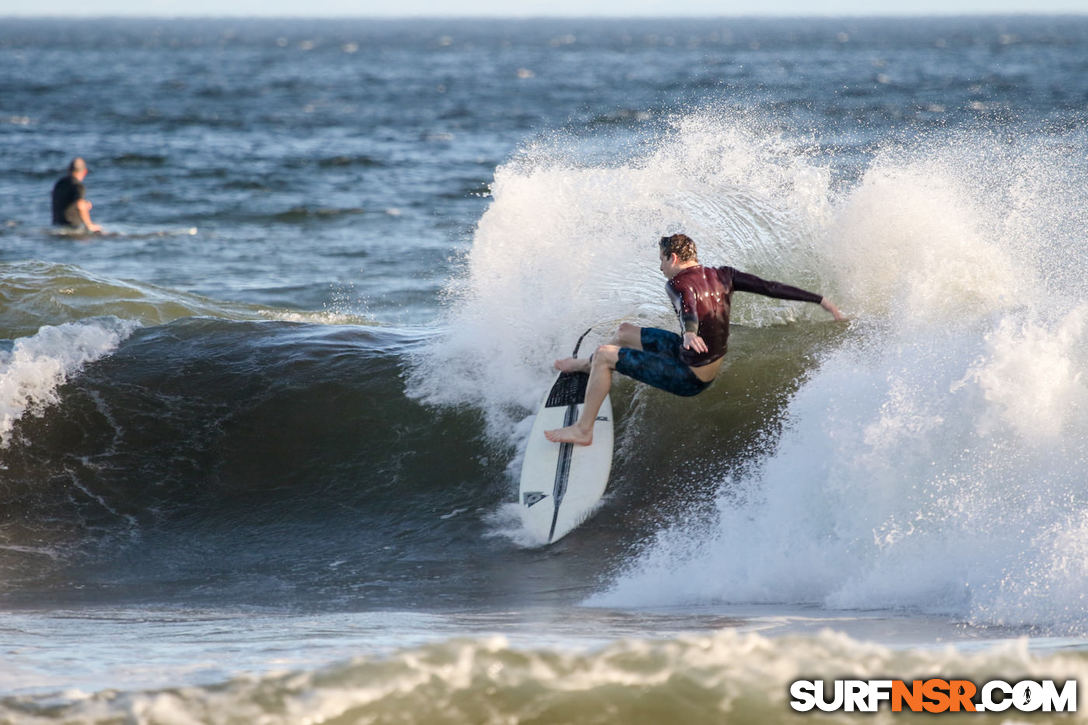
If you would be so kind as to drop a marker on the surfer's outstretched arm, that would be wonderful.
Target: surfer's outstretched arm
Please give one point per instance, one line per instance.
(601, 366)
(744, 282)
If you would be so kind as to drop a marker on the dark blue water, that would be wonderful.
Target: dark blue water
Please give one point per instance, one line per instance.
(314, 156)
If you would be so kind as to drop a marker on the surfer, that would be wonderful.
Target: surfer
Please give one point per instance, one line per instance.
(70, 207)
(680, 364)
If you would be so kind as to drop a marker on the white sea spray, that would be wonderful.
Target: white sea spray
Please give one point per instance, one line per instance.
(933, 461)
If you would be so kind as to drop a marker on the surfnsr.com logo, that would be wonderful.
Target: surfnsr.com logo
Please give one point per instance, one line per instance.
(933, 696)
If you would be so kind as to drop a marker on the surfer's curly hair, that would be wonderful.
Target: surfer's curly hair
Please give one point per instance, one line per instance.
(681, 245)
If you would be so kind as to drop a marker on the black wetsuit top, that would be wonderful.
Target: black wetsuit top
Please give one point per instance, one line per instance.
(66, 193)
(702, 295)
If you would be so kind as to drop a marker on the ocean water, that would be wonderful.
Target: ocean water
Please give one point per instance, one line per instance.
(259, 442)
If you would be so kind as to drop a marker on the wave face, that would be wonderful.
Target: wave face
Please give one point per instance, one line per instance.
(243, 453)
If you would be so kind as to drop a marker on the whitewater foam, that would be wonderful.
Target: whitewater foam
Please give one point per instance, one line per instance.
(933, 461)
(725, 675)
(909, 243)
(1032, 376)
(36, 366)
(902, 481)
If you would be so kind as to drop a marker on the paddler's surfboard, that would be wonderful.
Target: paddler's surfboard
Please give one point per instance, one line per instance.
(561, 483)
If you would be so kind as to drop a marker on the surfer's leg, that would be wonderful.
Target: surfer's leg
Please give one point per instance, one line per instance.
(573, 364)
(662, 370)
(658, 341)
(600, 382)
(626, 335)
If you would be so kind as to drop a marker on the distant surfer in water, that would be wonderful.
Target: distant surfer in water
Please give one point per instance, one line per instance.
(70, 206)
(682, 365)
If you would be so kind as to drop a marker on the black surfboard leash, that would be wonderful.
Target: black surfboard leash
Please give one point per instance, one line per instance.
(579, 343)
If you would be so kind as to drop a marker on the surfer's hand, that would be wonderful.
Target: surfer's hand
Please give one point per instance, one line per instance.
(694, 342)
(830, 307)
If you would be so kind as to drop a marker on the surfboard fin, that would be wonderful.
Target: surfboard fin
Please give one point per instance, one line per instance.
(532, 498)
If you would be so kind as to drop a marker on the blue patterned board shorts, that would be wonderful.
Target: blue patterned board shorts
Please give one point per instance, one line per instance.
(658, 363)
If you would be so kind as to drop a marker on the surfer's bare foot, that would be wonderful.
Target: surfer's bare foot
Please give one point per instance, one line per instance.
(572, 365)
(570, 434)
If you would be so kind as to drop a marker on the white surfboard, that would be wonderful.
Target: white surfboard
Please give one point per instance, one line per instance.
(561, 483)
